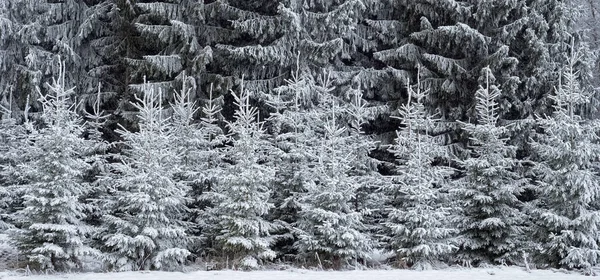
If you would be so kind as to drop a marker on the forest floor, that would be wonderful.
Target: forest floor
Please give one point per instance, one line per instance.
(494, 273)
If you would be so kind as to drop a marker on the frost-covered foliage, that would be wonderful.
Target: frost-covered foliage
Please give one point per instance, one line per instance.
(143, 227)
(11, 135)
(106, 38)
(489, 213)
(9, 255)
(520, 41)
(266, 44)
(301, 109)
(21, 32)
(293, 130)
(586, 15)
(330, 229)
(98, 157)
(180, 53)
(589, 13)
(303, 183)
(417, 224)
(235, 222)
(567, 216)
(103, 34)
(297, 126)
(194, 141)
(35, 36)
(322, 31)
(50, 178)
(197, 146)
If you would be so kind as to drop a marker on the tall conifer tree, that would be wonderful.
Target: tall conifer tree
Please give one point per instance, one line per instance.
(520, 41)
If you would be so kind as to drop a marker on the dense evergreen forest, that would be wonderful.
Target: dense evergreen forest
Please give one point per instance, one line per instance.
(322, 133)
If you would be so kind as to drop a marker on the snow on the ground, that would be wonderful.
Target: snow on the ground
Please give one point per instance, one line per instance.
(497, 273)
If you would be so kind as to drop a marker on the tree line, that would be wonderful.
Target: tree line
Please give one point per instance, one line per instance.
(149, 133)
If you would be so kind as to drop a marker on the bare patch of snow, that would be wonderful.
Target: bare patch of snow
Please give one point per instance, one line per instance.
(495, 273)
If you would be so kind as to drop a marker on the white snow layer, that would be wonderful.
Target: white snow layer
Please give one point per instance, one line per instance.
(496, 273)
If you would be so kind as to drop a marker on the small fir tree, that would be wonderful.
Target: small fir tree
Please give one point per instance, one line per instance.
(489, 218)
(567, 217)
(417, 222)
(236, 221)
(330, 228)
(143, 227)
(11, 134)
(292, 131)
(197, 144)
(50, 233)
(97, 155)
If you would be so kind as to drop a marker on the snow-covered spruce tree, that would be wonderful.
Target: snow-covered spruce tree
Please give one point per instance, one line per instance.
(588, 16)
(292, 129)
(143, 227)
(330, 229)
(567, 216)
(197, 145)
(113, 47)
(195, 142)
(489, 217)
(428, 33)
(323, 32)
(21, 31)
(368, 198)
(293, 124)
(417, 223)
(50, 177)
(587, 33)
(260, 34)
(13, 136)
(62, 38)
(240, 200)
(97, 156)
(96, 119)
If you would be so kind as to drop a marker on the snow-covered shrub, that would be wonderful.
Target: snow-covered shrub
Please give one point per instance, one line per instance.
(9, 255)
